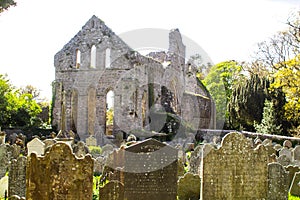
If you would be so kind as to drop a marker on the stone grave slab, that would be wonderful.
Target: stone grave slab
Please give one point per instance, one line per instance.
(150, 171)
(235, 170)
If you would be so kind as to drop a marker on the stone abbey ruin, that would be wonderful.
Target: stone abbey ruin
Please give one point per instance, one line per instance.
(97, 63)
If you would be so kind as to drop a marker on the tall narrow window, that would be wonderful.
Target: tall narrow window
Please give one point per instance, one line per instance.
(78, 58)
(107, 58)
(93, 56)
(109, 112)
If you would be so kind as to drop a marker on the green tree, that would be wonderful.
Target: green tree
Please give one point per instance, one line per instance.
(220, 82)
(268, 123)
(5, 4)
(17, 108)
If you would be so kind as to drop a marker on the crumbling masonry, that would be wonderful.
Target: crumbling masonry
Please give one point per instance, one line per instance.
(97, 61)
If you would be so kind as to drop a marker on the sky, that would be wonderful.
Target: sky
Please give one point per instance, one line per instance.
(33, 31)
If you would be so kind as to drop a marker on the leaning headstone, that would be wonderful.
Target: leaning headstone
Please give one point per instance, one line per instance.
(59, 175)
(113, 190)
(36, 146)
(17, 177)
(278, 182)
(150, 171)
(189, 187)
(235, 170)
(295, 187)
(91, 141)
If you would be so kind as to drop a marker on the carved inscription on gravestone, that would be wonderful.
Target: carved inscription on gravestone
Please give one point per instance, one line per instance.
(17, 177)
(59, 175)
(150, 171)
(235, 171)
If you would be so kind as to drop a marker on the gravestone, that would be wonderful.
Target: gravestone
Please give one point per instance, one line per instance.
(2, 137)
(288, 144)
(17, 177)
(235, 170)
(267, 142)
(49, 142)
(189, 187)
(36, 146)
(284, 160)
(80, 149)
(106, 150)
(287, 152)
(295, 187)
(150, 171)
(278, 182)
(292, 170)
(195, 160)
(296, 153)
(4, 159)
(91, 141)
(113, 190)
(59, 175)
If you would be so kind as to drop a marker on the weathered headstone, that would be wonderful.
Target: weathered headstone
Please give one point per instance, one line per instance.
(4, 159)
(113, 190)
(36, 146)
(195, 160)
(80, 149)
(91, 141)
(107, 149)
(17, 177)
(267, 142)
(59, 175)
(287, 144)
(296, 153)
(278, 182)
(292, 170)
(235, 170)
(287, 152)
(2, 137)
(295, 187)
(150, 171)
(189, 187)
(284, 160)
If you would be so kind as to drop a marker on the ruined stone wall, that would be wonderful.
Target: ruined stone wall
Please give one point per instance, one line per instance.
(81, 88)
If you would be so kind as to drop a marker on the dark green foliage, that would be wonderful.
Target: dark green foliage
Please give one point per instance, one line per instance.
(248, 100)
(5, 4)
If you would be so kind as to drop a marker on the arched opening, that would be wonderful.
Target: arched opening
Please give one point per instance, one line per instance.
(78, 58)
(109, 115)
(107, 58)
(93, 56)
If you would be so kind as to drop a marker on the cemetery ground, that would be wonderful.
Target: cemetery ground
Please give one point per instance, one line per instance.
(230, 167)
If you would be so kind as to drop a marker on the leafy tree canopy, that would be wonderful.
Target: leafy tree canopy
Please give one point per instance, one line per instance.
(5, 4)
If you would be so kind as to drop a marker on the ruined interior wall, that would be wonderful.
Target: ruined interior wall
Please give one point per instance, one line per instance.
(196, 111)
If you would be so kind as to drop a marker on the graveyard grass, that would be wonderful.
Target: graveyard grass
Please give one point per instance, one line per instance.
(293, 197)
